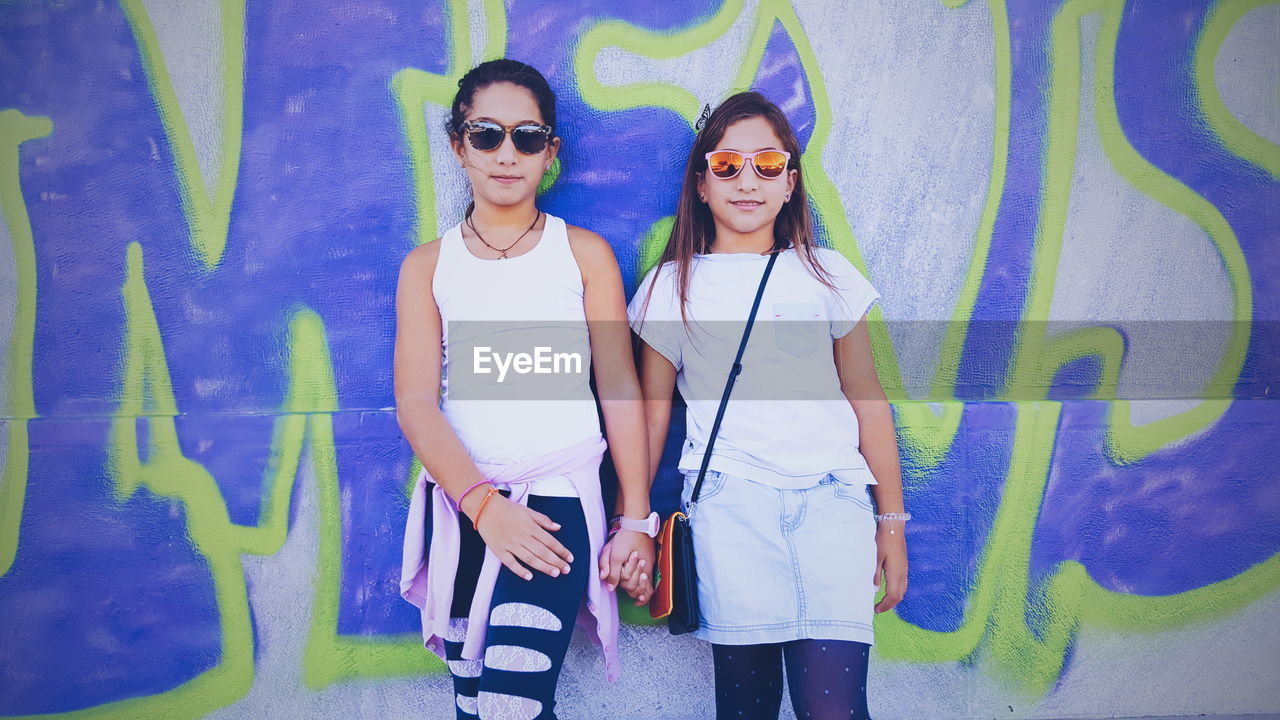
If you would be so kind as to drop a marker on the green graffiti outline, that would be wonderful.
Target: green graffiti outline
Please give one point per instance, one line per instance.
(1234, 135)
(208, 215)
(924, 429)
(146, 391)
(648, 43)
(1127, 443)
(997, 606)
(20, 405)
(653, 243)
(929, 435)
(413, 88)
(311, 399)
(330, 657)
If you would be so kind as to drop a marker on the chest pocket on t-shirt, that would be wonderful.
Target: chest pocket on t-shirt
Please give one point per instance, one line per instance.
(799, 328)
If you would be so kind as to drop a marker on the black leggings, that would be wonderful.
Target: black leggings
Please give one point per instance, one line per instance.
(530, 623)
(827, 679)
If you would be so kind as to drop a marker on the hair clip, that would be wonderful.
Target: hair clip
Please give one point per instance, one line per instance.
(702, 119)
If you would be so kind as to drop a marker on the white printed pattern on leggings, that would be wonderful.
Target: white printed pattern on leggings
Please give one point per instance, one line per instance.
(500, 706)
(522, 614)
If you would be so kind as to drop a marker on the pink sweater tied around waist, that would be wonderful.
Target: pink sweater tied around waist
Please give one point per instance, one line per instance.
(427, 577)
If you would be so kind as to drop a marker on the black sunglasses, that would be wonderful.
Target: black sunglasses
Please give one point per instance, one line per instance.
(485, 135)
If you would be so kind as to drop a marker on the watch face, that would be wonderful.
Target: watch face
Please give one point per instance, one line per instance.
(650, 525)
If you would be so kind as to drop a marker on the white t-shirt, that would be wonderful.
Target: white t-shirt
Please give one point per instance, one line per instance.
(787, 423)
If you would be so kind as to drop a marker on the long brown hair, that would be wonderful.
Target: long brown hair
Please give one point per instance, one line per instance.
(695, 230)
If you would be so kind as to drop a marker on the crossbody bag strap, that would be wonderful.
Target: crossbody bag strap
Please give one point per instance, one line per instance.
(733, 377)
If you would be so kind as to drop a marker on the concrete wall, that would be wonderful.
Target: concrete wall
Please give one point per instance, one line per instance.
(1070, 209)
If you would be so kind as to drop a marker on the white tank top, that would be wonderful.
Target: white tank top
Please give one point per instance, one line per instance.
(490, 309)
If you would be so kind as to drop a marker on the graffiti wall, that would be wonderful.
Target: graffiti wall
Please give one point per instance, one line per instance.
(1071, 209)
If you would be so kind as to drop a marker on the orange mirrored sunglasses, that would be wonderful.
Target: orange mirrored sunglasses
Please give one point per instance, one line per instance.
(769, 164)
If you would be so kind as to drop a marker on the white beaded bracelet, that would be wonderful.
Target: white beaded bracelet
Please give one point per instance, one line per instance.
(892, 516)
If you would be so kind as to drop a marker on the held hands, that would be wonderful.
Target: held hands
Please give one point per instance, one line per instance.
(891, 560)
(627, 560)
(519, 535)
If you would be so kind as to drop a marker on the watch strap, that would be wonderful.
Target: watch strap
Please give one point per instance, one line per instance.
(649, 525)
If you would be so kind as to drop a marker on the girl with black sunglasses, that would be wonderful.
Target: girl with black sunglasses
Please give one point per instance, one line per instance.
(788, 549)
(518, 549)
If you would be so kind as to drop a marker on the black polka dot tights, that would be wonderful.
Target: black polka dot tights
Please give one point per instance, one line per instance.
(827, 680)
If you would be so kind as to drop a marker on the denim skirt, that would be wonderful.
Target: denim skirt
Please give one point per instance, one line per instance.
(778, 565)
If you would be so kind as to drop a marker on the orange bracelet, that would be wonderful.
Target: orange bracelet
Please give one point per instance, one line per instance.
(487, 497)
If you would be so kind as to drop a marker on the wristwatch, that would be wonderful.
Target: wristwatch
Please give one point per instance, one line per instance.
(648, 526)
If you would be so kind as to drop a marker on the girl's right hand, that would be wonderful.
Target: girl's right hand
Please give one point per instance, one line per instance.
(518, 535)
(627, 561)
